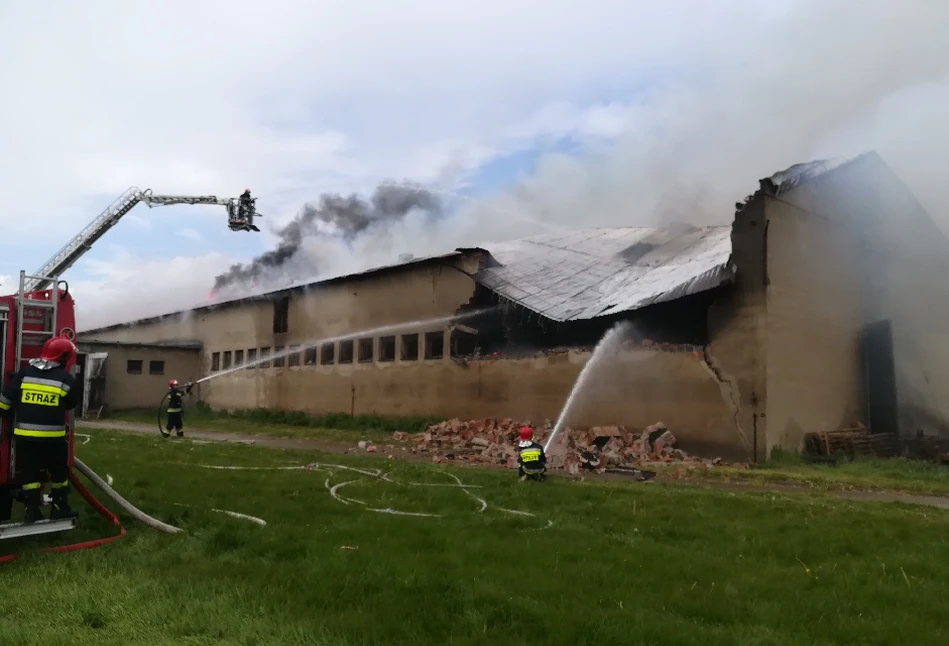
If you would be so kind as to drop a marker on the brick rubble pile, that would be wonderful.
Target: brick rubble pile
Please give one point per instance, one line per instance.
(601, 448)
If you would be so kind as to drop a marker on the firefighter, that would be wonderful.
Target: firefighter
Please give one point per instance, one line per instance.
(531, 459)
(39, 398)
(174, 408)
(247, 203)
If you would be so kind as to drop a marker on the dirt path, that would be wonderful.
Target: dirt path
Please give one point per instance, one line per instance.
(311, 444)
(330, 446)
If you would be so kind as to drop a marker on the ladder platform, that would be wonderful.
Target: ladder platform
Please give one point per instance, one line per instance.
(18, 530)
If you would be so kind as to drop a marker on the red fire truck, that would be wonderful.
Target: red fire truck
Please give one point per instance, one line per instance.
(27, 320)
(42, 308)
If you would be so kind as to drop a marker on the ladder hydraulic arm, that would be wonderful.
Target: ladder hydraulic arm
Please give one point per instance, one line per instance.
(82, 242)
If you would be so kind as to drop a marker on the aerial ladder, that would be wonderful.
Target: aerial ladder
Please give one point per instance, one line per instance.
(239, 219)
(43, 308)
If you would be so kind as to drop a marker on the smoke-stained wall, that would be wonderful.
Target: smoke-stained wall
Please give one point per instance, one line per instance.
(898, 261)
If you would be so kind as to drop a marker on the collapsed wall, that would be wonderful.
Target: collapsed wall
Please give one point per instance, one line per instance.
(634, 388)
(601, 449)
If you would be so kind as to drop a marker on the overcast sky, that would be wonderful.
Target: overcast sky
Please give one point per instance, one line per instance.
(553, 113)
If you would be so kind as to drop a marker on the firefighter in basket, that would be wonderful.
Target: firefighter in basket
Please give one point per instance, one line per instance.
(531, 459)
(175, 407)
(39, 398)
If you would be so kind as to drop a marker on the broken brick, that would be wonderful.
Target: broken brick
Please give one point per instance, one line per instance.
(494, 441)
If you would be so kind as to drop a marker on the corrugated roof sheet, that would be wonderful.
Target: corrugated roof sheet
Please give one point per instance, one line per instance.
(598, 272)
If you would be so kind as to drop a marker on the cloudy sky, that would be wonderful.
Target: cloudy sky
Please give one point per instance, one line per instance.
(536, 115)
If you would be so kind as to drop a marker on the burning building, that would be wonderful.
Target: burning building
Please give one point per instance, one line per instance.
(822, 306)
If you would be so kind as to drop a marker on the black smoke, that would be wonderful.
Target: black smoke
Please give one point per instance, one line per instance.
(337, 216)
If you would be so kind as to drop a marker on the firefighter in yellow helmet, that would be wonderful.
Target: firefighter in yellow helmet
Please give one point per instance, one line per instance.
(39, 398)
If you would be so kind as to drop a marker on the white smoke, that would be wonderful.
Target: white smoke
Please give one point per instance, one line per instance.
(824, 81)
(818, 78)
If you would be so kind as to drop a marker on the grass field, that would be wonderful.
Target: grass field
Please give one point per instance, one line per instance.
(895, 474)
(864, 473)
(599, 563)
(275, 423)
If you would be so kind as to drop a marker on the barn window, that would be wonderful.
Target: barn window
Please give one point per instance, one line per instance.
(434, 345)
(293, 359)
(345, 351)
(409, 347)
(238, 357)
(365, 350)
(134, 366)
(387, 348)
(281, 315)
(327, 356)
(251, 358)
(156, 367)
(279, 358)
(309, 357)
(215, 361)
(227, 360)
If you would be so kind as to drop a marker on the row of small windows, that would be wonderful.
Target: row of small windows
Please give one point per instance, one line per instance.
(134, 367)
(328, 353)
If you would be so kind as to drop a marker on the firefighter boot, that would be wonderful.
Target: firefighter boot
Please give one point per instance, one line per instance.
(6, 504)
(32, 499)
(60, 506)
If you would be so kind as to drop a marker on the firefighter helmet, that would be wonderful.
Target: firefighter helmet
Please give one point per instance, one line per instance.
(173, 383)
(60, 350)
(526, 434)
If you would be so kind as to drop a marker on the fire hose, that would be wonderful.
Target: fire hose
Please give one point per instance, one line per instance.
(102, 511)
(133, 511)
(161, 404)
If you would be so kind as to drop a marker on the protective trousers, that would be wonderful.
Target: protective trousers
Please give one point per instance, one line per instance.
(174, 422)
(33, 456)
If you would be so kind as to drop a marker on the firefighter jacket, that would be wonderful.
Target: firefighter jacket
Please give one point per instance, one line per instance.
(174, 400)
(531, 457)
(39, 399)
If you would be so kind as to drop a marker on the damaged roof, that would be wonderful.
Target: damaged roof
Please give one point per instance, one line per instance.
(794, 176)
(598, 272)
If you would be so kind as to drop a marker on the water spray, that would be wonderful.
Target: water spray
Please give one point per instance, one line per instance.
(614, 335)
(346, 337)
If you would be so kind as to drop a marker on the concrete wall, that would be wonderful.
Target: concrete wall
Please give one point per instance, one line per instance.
(416, 293)
(814, 321)
(128, 391)
(737, 329)
(897, 259)
(634, 389)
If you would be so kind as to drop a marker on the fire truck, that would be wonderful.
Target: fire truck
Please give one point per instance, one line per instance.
(43, 308)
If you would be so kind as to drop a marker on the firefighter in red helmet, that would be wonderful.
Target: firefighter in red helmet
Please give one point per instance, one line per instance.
(174, 411)
(531, 459)
(39, 397)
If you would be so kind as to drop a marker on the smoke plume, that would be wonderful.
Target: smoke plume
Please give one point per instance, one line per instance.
(793, 82)
(334, 217)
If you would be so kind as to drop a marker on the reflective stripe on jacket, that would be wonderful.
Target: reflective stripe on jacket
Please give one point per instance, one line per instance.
(39, 400)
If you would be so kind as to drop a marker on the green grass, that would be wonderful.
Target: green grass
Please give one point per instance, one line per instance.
(623, 563)
(277, 423)
(864, 473)
(908, 475)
